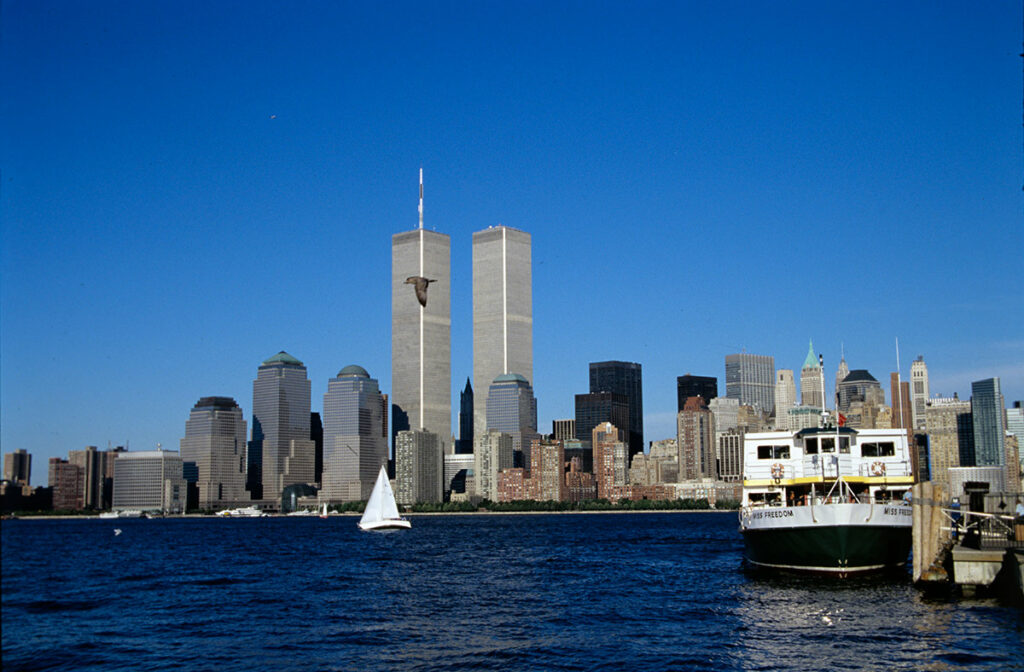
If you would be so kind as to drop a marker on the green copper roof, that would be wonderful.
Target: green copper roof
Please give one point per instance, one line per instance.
(353, 370)
(510, 378)
(811, 362)
(284, 358)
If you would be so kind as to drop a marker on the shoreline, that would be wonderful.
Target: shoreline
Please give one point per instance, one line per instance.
(197, 516)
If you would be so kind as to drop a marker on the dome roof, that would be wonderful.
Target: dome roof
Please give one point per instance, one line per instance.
(353, 370)
(511, 378)
(284, 358)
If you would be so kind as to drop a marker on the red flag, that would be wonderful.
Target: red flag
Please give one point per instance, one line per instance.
(842, 420)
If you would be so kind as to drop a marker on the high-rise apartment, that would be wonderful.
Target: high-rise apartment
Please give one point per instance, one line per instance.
(919, 391)
(610, 458)
(502, 310)
(751, 379)
(625, 378)
(785, 397)
(812, 381)
(695, 441)
(492, 453)
(67, 482)
(355, 443)
(421, 327)
(464, 444)
(215, 442)
(419, 467)
(695, 386)
(18, 467)
(280, 424)
(989, 426)
(547, 471)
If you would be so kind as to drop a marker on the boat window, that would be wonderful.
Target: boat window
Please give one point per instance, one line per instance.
(781, 452)
(828, 444)
(764, 452)
(811, 445)
(881, 449)
(844, 444)
(773, 452)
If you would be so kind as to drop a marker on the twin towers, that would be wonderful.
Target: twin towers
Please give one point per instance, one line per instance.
(421, 322)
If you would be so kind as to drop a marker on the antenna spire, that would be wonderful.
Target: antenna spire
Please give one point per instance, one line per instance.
(421, 198)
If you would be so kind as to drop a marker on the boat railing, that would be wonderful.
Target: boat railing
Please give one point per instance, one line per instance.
(981, 530)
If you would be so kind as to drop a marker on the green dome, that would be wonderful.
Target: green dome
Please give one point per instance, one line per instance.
(284, 358)
(353, 370)
(511, 378)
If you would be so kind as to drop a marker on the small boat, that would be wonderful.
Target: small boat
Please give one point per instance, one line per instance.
(323, 514)
(381, 511)
(123, 513)
(247, 512)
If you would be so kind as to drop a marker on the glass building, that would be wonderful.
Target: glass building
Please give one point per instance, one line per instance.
(280, 424)
(695, 386)
(989, 426)
(625, 378)
(355, 444)
(751, 379)
(512, 409)
(215, 442)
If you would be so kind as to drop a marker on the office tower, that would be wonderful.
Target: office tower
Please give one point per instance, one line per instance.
(751, 379)
(695, 386)
(492, 453)
(316, 435)
(465, 443)
(512, 408)
(918, 391)
(902, 409)
(610, 454)
(458, 475)
(355, 445)
(215, 441)
(965, 432)
(860, 386)
(93, 463)
(729, 447)
(989, 426)
(419, 467)
(593, 409)
(280, 424)
(563, 430)
(150, 480)
(785, 397)
(1015, 424)
(812, 381)
(18, 467)
(726, 413)
(421, 328)
(547, 471)
(944, 429)
(841, 373)
(625, 378)
(67, 481)
(502, 310)
(695, 441)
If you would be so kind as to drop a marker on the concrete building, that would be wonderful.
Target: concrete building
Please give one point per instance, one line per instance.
(812, 381)
(695, 440)
(729, 447)
(579, 484)
(355, 440)
(18, 467)
(625, 378)
(726, 413)
(944, 427)
(859, 386)
(841, 373)
(67, 482)
(785, 397)
(547, 471)
(491, 455)
(150, 480)
(902, 408)
(214, 441)
(97, 472)
(512, 409)
(512, 485)
(695, 386)
(419, 467)
(502, 309)
(610, 458)
(803, 417)
(459, 475)
(919, 392)
(280, 426)
(987, 411)
(993, 479)
(563, 430)
(464, 445)
(751, 379)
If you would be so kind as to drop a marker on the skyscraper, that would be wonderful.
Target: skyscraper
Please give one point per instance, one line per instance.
(919, 391)
(492, 453)
(695, 441)
(625, 378)
(465, 443)
(355, 445)
(502, 310)
(18, 467)
(419, 467)
(597, 407)
(944, 427)
(280, 424)
(512, 409)
(785, 397)
(610, 455)
(215, 441)
(421, 326)
(751, 379)
(812, 383)
(695, 386)
(989, 426)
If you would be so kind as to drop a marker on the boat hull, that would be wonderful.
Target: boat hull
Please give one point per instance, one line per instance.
(385, 525)
(838, 539)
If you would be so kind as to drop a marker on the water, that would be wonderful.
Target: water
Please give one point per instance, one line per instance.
(529, 592)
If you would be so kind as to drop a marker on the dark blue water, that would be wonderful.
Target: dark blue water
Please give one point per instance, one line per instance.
(531, 592)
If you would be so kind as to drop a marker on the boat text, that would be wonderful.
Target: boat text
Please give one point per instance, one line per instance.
(897, 511)
(780, 513)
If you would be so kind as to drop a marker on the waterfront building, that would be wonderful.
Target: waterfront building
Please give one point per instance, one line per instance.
(421, 326)
(97, 472)
(812, 381)
(625, 378)
(785, 397)
(1013, 464)
(149, 480)
(597, 407)
(547, 471)
(512, 409)
(214, 442)
(695, 440)
(419, 467)
(945, 428)
(67, 482)
(919, 392)
(459, 475)
(563, 429)
(610, 458)
(464, 444)
(987, 409)
(280, 424)
(355, 441)
(512, 485)
(502, 310)
(492, 454)
(579, 483)
(751, 379)
(18, 467)
(695, 386)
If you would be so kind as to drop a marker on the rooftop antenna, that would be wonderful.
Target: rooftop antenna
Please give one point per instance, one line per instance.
(421, 197)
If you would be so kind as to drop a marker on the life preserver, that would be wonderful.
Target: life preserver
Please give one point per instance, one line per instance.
(777, 471)
(878, 469)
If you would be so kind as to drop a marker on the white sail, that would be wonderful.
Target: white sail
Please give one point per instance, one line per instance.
(381, 510)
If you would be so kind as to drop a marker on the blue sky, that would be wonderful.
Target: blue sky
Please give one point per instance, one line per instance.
(187, 188)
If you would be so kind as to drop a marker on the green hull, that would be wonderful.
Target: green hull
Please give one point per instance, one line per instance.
(838, 549)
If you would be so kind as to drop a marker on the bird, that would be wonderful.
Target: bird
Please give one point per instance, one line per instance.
(421, 285)
(117, 531)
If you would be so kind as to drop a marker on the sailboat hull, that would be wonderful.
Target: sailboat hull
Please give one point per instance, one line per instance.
(385, 525)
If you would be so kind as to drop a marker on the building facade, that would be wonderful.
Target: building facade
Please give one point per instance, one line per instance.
(987, 410)
(419, 467)
(610, 458)
(355, 440)
(944, 427)
(695, 386)
(18, 467)
(149, 480)
(67, 482)
(464, 444)
(695, 441)
(280, 425)
(625, 378)
(214, 441)
(563, 430)
(812, 381)
(785, 397)
(751, 379)
(491, 455)
(547, 471)
(919, 392)
(512, 409)
(597, 407)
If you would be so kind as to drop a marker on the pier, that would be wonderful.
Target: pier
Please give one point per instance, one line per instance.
(973, 549)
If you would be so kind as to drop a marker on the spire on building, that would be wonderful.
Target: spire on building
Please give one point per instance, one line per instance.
(811, 362)
(421, 197)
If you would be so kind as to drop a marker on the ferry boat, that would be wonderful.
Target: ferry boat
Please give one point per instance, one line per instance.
(827, 500)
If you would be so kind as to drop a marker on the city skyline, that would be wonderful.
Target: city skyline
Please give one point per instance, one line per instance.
(211, 216)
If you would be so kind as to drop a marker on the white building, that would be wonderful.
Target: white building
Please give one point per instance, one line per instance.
(149, 480)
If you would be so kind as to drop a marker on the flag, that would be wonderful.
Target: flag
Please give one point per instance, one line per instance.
(842, 420)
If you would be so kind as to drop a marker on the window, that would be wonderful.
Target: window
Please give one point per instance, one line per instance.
(811, 446)
(828, 444)
(844, 444)
(764, 452)
(773, 452)
(881, 449)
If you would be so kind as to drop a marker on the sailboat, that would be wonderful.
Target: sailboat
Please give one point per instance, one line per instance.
(323, 514)
(381, 511)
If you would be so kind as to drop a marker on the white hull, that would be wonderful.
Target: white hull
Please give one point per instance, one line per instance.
(384, 525)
